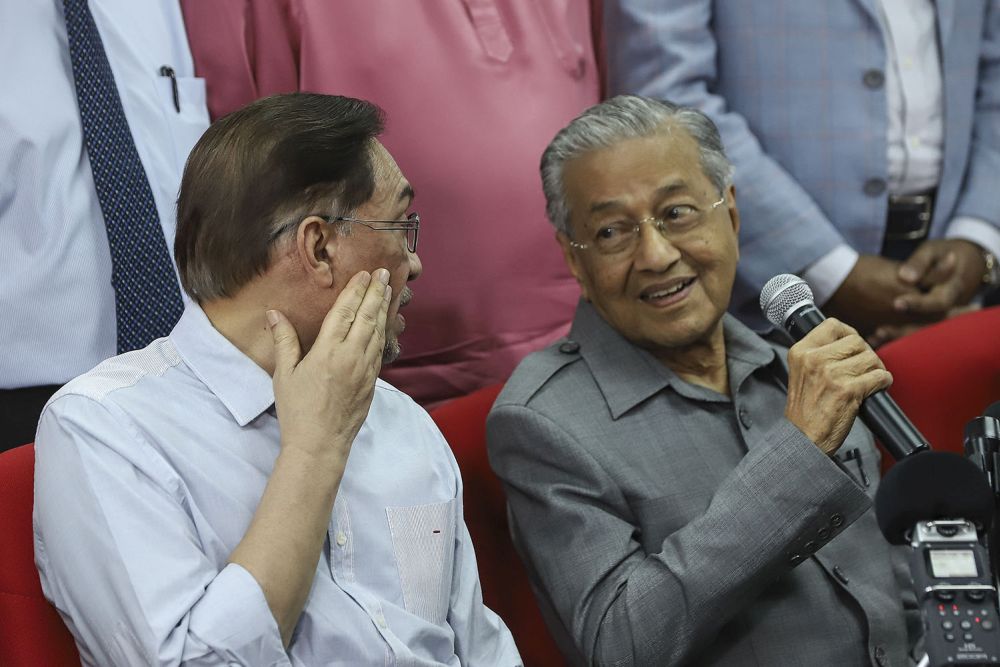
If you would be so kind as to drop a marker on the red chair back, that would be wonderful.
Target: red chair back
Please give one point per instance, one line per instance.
(506, 589)
(31, 632)
(946, 374)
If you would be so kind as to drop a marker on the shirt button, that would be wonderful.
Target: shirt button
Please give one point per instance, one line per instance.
(380, 622)
(341, 539)
(874, 79)
(874, 187)
(745, 418)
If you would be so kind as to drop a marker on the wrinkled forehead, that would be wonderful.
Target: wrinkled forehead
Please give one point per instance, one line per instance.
(664, 163)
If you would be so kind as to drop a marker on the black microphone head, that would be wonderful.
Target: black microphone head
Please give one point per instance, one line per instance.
(783, 294)
(933, 485)
(982, 427)
(993, 411)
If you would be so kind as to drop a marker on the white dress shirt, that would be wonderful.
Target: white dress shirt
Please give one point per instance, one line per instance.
(55, 291)
(915, 134)
(149, 469)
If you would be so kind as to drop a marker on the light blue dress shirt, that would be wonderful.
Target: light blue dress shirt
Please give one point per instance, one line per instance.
(55, 266)
(149, 469)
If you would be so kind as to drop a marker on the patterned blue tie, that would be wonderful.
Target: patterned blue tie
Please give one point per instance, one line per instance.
(147, 298)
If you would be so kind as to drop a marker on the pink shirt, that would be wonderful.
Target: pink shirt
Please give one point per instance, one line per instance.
(474, 91)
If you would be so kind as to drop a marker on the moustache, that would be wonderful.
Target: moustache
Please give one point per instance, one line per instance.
(405, 296)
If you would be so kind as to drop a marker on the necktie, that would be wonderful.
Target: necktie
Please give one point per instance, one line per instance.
(147, 298)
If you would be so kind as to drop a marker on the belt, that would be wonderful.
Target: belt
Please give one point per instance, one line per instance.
(909, 217)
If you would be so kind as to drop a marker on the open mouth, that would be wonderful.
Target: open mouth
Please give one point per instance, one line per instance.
(669, 295)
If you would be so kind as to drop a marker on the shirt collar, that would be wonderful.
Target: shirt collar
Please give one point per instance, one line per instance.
(243, 387)
(627, 374)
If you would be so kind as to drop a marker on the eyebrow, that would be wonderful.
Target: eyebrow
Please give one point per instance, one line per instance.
(406, 195)
(663, 191)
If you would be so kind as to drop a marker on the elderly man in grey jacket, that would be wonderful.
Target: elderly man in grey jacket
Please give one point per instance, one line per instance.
(681, 490)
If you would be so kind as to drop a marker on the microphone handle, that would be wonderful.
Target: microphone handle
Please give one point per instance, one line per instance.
(892, 428)
(878, 412)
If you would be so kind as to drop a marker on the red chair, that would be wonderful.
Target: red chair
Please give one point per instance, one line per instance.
(946, 374)
(31, 632)
(506, 589)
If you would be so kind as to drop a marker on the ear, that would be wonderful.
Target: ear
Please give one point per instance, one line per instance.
(734, 213)
(573, 262)
(316, 244)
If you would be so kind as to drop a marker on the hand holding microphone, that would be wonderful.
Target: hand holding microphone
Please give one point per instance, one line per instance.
(787, 302)
(830, 371)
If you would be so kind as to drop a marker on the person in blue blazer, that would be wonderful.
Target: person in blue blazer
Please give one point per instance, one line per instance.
(865, 136)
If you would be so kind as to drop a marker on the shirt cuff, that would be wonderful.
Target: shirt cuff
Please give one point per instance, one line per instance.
(978, 231)
(233, 617)
(828, 273)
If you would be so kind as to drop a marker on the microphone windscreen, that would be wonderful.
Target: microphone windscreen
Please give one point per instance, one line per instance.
(782, 293)
(933, 485)
(993, 411)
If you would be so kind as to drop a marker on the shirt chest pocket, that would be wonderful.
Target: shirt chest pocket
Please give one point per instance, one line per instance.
(182, 99)
(423, 543)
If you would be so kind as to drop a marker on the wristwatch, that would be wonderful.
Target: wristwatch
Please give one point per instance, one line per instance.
(991, 276)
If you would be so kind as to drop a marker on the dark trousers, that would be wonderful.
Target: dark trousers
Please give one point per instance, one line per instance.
(19, 412)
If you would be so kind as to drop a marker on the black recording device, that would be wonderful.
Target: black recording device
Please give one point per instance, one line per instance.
(939, 504)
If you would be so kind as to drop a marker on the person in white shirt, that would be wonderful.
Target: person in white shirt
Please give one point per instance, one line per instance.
(246, 491)
(56, 266)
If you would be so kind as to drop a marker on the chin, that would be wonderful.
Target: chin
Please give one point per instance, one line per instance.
(391, 351)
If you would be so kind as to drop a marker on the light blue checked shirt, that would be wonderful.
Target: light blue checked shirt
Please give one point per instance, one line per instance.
(149, 469)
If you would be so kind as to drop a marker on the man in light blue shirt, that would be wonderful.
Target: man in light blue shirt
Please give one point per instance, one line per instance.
(246, 491)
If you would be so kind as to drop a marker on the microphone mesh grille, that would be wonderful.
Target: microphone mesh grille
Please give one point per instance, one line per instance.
(780, 294)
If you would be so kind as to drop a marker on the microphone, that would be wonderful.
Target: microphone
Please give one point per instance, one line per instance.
(982, 443)
(787, 302)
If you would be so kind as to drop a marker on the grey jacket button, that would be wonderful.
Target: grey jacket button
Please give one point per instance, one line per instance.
(880, 657)
(745, 418)
(836, 521)
(569, 347)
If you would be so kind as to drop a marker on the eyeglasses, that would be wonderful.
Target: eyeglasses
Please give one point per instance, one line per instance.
(622, 236)
(411, 226)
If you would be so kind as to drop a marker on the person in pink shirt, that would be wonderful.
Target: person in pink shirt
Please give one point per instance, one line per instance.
(474, 88)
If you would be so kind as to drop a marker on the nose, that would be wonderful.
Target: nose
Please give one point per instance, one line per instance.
(655, 251)
(416, 267)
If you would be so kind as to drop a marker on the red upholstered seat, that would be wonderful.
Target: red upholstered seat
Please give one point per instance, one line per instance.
(31, 632)
(505, 583)
(946, 374)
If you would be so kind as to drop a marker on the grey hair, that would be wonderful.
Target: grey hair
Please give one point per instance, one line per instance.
(618, 119)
